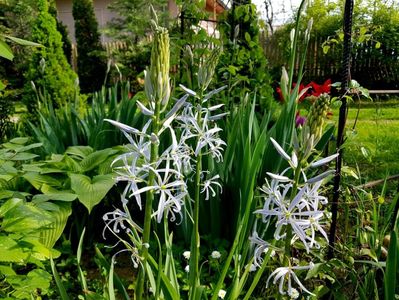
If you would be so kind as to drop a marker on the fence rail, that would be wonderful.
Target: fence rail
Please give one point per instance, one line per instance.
(372, 67)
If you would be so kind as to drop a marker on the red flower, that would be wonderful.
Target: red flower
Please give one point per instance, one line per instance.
(280, 94)
(317, 90)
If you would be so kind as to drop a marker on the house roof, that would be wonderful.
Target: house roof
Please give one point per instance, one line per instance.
(217, 6)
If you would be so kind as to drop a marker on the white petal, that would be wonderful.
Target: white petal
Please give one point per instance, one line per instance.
(187, 90)
(321, 176)
(324, 161)
(280, 150)
(278, 177)
(144, 109)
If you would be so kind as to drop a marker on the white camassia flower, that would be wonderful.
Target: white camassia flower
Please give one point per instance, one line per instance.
(207, 186)
(282, 273)
(222, 294)
(171, 190)
(187, 269)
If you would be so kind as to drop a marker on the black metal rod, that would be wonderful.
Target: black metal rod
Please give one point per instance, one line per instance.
(346, 58)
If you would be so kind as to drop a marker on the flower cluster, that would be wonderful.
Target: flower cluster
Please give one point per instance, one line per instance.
(296, 207)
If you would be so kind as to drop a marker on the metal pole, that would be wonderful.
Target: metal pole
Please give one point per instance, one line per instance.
(346, 58)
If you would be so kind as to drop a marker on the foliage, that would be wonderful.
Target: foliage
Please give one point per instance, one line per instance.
(133, 19)
(90, 61)
(63, 127)
(243, 64)
(48, 66)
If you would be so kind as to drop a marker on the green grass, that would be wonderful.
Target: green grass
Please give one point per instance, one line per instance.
(377, 134)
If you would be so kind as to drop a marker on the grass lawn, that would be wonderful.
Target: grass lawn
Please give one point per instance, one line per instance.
(373, 145)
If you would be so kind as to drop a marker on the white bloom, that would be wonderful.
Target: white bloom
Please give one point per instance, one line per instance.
(186, 254)
(260, 248)
(207, 186)
(282, 273)
(187, 269)
(215, 254)
(252, 268)
(171, 192)
(221, 294)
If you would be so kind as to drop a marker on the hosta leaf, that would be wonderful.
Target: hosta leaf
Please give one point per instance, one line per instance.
(38, 180)
(68, 197)
(26, 285)
(79, 151)
(72, 164)
(95, 159)
(25, 218)
(91, 191)
(59, 213)
(23, 42)
(23, 156)
(20, 140)
(10, 251)
(10, 204)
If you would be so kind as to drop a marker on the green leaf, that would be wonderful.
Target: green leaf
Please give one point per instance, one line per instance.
(59, 213)
(95, 159)
(23, 156)
(5, 51)
(377, 45)
(392, 265)
(60, 285)
(38, 180)
(20, 140)
(10, 251)
(91, 191)
(79, 151)
(247, 37)
(61, 196)
(22, 42)
(26, 285)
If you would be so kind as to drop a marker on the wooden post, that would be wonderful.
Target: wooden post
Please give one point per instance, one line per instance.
(346, 57)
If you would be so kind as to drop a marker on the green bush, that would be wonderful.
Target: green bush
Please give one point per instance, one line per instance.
(48, 67)
(243, 63)
(90, 61)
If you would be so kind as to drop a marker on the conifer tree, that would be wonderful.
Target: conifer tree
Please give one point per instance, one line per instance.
(91, 65)
(48, 67)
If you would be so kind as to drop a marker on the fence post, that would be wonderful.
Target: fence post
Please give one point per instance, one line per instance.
(346, 57)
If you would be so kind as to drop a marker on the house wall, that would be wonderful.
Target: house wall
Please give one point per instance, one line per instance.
(103, 15)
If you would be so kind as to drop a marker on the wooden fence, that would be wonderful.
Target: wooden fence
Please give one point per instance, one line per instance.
(371, 67)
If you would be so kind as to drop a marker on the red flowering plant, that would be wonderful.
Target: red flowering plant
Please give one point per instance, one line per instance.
(307, 95)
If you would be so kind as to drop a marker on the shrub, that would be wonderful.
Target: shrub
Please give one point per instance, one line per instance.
(48, 67)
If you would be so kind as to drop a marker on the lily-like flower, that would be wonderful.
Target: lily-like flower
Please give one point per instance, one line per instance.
(282, 273)
(207, 186)
(171, 190)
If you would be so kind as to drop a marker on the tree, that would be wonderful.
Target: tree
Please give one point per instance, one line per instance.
(243, 64)
(134, 18)
(48, 66)
(90, 62)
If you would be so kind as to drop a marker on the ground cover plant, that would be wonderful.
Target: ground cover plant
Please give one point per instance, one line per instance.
(130, 199)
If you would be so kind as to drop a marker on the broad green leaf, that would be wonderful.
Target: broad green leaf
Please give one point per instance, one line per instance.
(38, 180)
(95, 159)
(59, 213)
(10, 251)
(7, 270)
(26, 285)
(22, 41)
(25, 218)
(91, 191)
(24, 156)
(10, 204)
(5, 51)
(20, 140)
(79, 151)
(68, 197)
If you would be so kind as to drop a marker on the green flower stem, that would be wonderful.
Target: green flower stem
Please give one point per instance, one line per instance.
(195, 238)
(148, 206)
